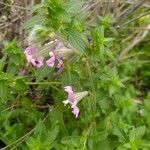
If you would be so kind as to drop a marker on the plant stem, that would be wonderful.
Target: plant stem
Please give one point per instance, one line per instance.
(93, 89)
(42, 83)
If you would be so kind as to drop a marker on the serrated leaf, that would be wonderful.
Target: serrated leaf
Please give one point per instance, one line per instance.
(74, 6)
(120, 133)
(36, 7)
(132, 135)
(71, 141)
(3, 89)
(71, 77)
(52, 134)
(38, 19)
(20, 85)
(100, 136)
(77, 41)
(140, 131)
(40, 131)
(43, 72)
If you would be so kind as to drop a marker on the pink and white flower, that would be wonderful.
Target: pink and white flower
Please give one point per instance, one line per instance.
(36, 61)
(54, 56)
(36, 53)
(51, 61)
(73, 99)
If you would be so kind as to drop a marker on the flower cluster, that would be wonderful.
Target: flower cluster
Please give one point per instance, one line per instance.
(73, 99)
(37, 53)
(57, 52)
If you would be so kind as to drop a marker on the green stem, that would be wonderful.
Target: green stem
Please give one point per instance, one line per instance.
(46, 83)
(42, 83)
(93, 100)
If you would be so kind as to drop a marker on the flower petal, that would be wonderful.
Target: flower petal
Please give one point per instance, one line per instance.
(66, 102)
(59, 44)
(60, 63)
(69, 90)
(73, 105)
(79, 95)
(76, 111)
(37, 62)
(50, 62)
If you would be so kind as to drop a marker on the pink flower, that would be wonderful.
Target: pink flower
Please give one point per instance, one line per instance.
(73, 99)
(37, 53)
(75, 111)
(28, 52)
(69, 90)
(50, 62)
(38, 62)
(31, 57)
(55, 57)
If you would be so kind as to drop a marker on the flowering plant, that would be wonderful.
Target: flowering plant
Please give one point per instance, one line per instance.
(80, 78)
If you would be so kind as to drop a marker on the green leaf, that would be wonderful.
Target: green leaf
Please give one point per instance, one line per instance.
(41, 131)
(36, 7)
(71, 141)
(2, 62)
(52, 134)
(20, 85)
(43, 72)
(77, 41)
(30, 23)
(132, 135)
(71, 77)
(100, 136)
(3, 89)
(120, 133)
(74, 6)
(140, 131)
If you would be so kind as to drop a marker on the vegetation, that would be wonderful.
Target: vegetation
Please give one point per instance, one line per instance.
(99, 52)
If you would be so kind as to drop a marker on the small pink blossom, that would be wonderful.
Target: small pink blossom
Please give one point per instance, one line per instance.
(28, 52)
(36, 54)
(50, 62)
(69, 90)
(73, 99)
(55, 57)
(30, 56)
(37, 62)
